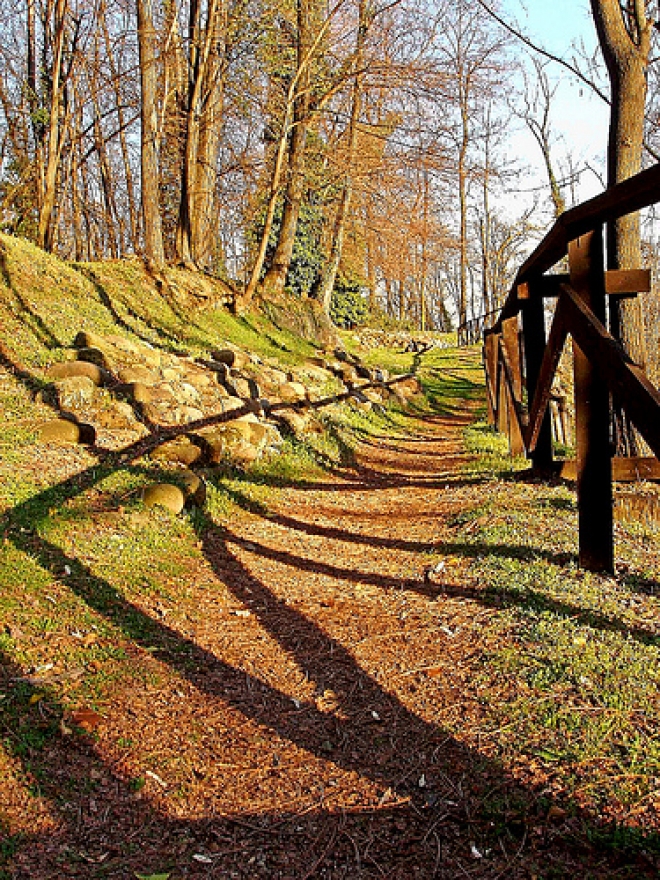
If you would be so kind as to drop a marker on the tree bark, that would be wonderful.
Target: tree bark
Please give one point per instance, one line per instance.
(329, 275)
(275, 278)
(54, 139)
(625, 46)
(200, 151)
(154, 253)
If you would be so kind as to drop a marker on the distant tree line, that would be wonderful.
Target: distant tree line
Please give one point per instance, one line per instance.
(292, 147)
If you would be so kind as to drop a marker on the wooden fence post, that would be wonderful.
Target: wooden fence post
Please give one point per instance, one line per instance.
(490, 362)
(592, 415)
(533, 322)
(510, 347)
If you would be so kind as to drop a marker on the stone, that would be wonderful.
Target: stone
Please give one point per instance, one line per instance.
(221, 371)
(64, 431)
(76, 392)
(374, 395)
(258, 407)
(194, 487)
(118, 416)
(291, 392)
(232, 357)
(187, 393)
(138, 373)
(229, 443)
(348, 374)
(317, 361)
(71, 369)
(165, 495)
(139, 392)
(408, 387)
(181, 450)
(155, 414)
(197, 377)
(358, 401)
(232, 404)
(87, 339)
(93, 356)
(255, 432)
(241, 388)
(125, 412)
(172, 374)
(293, 422)
(311, 373)
(183, 415)
(142, 350)
(254, 389)
(364, 372)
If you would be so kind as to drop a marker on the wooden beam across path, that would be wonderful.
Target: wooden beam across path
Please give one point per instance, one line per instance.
(624, 470)
(626, 381)
(546, 375)
(618, 282)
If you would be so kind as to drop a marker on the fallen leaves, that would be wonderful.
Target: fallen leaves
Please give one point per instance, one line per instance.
(87, 719)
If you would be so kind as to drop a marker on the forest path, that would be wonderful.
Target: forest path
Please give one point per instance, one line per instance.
(315, 704)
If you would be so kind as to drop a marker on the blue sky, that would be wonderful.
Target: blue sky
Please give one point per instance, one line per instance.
(579, 117)
(554, 23)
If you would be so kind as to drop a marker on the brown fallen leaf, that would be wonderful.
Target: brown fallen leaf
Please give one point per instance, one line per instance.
(88, 719)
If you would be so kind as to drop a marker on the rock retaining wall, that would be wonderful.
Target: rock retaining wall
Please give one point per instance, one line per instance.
(229, 407)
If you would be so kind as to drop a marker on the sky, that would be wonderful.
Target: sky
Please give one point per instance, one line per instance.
(579, 117)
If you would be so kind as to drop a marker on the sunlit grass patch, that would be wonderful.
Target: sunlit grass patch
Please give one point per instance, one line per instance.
(572, 676)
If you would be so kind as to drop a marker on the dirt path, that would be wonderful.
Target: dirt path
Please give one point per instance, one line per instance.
(297, 721)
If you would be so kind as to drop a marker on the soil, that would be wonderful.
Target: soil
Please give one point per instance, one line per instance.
(296, 722)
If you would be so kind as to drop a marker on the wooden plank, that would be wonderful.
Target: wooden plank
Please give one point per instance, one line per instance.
(543, 389)
(627, 282)
(490, 363)
(624, 470)
(627, 197)
(512, 406)
(618, 282)
(533, 323)
(592, 413)
(627, 382)
(511, 342)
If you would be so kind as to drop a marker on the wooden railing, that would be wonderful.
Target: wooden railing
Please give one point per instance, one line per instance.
(472, 331)
(521, 359)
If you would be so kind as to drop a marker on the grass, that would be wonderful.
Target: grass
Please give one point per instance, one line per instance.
(573, 680)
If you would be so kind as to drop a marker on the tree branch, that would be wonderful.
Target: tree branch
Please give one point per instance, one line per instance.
(541, 51)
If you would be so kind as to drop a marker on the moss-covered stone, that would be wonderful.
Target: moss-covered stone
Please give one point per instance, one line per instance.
(165, 495)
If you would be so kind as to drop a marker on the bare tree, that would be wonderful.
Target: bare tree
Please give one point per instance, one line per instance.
(154, 251)
(624, 32)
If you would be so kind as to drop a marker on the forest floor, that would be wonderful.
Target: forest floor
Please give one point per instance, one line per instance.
(388, 667)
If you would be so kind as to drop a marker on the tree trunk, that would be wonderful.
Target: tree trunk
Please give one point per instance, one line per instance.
(202, 139)
(276, 275)
(153, 233)
(46, 232)
(331, 268)
(121, 124)
(462, 203)
(626, 52)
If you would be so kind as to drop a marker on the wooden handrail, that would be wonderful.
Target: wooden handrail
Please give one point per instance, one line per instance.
(627, 197)
(601, 367)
